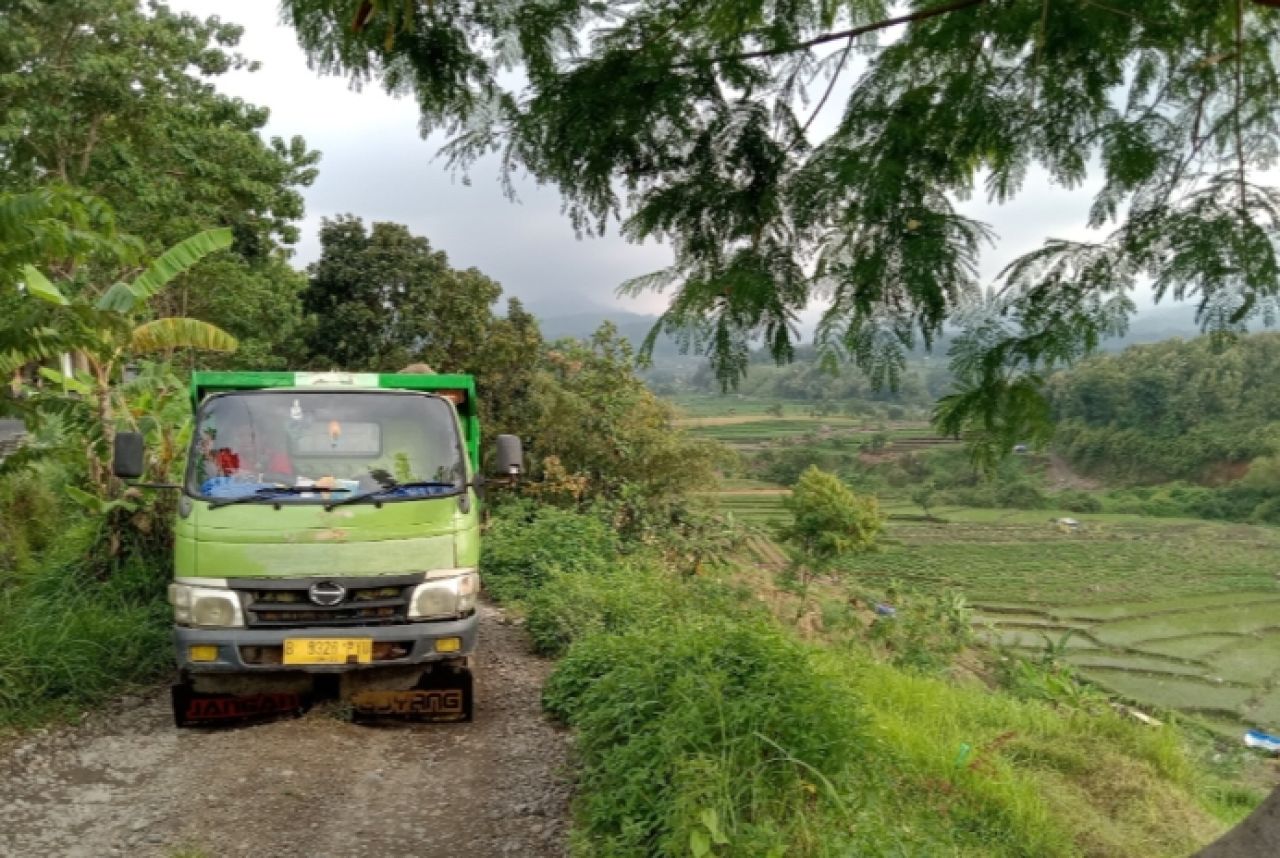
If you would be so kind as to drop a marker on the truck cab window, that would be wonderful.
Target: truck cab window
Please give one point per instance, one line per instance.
(333, 441)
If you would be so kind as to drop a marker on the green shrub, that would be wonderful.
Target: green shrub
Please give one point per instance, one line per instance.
(525, 544)
(611, 598)
(1078, 501)
(925, 632)
(1020, 495)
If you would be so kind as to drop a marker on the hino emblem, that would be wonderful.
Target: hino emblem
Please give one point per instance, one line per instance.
(327, 594)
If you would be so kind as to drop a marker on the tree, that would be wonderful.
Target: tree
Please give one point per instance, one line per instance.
(383, 297)
(506, 371)
(828, 522)
(601, 435)
(695, 122)
(922, 496)
(118, 100)
(107, 329)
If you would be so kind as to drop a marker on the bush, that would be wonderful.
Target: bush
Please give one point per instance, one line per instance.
(526, 544)
(1078, 501)
(926, 632)
(785, 465)
(1020, 496)
(610, 598)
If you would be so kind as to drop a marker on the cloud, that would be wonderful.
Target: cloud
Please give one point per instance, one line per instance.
(376, 165)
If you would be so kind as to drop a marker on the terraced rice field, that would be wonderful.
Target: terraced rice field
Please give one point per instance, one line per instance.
(1177, 614)
(761, 430)
(1208, 655)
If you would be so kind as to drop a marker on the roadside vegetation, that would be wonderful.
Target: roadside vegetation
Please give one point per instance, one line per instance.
(707, 726)
(859, 643)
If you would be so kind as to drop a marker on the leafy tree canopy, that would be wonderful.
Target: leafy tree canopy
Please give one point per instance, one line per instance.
(1170, 410)
(383, 298)
(600, 434)
(692, 121)
(119, 100)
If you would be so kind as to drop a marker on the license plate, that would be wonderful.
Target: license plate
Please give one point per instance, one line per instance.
(328, 651)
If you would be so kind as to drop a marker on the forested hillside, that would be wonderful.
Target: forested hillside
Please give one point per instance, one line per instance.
(1180, 409)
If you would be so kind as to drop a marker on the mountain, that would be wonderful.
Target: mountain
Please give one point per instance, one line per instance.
(634, 327)
(1154, 324)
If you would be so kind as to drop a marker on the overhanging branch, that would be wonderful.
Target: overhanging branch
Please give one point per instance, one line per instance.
(923, 14)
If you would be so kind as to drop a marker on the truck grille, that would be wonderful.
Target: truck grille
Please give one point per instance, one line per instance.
(364, 604)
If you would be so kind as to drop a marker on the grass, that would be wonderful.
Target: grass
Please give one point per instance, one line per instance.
(71, 638)
(704, 727)
(771, 429)
(1183, 614)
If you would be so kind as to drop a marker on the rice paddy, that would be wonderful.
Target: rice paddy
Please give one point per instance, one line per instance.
(1176, 614)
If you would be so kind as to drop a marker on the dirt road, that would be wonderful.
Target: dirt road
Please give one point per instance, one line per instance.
(127, 783)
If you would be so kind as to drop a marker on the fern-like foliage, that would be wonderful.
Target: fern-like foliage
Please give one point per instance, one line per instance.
(693, 122)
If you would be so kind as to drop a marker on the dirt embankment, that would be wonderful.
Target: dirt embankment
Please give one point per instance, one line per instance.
(1060, 477)
(127, 783)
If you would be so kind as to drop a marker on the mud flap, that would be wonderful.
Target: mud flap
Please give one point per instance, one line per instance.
(441, 696)
(194, 709)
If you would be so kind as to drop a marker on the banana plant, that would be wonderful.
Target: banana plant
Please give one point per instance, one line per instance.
(109, 332)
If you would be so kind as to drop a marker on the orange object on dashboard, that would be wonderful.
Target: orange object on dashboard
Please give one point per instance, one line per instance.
(457, 397)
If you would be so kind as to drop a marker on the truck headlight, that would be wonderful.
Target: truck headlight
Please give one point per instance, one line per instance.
(205, 606)
(444, 595)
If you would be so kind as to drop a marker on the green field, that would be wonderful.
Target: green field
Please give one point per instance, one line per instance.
(771, 428)
(712, 405)
(1175, 613)
(1171, 613)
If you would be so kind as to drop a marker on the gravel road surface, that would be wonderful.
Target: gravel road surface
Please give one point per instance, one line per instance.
(126, 782)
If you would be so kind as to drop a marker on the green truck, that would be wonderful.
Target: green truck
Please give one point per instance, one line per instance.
(326, 543)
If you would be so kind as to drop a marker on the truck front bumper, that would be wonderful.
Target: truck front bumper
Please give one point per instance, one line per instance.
(261, 650)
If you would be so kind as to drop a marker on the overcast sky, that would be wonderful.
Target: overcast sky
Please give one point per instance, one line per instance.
(376, 165)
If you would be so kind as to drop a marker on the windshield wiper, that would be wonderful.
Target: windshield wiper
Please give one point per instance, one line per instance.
(391, 487)
(268, 492)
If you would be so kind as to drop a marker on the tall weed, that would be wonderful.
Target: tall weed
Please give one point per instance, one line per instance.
(711, 737)
(71, 639)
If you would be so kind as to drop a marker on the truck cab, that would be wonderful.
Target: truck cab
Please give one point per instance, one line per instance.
(327, 539)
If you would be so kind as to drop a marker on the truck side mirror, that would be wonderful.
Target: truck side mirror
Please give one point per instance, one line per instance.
(510, 456)
(127, 457)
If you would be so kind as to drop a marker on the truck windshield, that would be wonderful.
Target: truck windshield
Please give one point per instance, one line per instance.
(321, 446)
